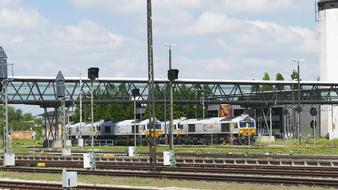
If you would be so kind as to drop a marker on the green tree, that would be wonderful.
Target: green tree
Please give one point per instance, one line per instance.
(17, 121)
(294, 75)
(267, 87)
(116, 112)
(279, 77)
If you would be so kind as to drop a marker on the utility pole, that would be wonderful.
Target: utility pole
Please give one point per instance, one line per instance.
(135, 93)
(299, 109)
(203, 106)
(165, 113)
(151, 98)
(80, 140)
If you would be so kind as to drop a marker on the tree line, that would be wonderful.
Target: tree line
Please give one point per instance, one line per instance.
(279, 77)
(118, 112)
(19, 121)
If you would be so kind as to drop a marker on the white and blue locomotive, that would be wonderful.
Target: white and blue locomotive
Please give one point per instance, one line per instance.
(186, 131)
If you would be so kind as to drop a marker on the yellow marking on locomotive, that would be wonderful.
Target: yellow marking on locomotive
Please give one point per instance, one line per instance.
(41, 164)
(253, 132)
(247, 131)
(178, 132)
(158, 132)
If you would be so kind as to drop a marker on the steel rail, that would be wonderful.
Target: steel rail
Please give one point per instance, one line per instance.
(27, 185)
(199, 160)
(196, 176)
(224, 169)
(202, 154)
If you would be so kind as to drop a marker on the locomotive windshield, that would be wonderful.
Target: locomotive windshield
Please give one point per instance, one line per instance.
(252, 124)
(157, 125)
(247, 124)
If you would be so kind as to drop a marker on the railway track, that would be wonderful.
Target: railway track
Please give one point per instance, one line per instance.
(36, 185)
(273, 179)
(221, 169)
(202, 154)
(195, 161)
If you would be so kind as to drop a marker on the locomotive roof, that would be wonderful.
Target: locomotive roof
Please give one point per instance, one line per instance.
(240, 118)
(78, 124)
(145, 122)
(95, 124)
(175, 121)
(189, 120)
(126, 122)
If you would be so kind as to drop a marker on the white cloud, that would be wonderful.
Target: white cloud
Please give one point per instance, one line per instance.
(18, 39)
(39, 47)
(122, 6)
(254, 6)
(50, 46)
(8, 3)
(21, 18)
(212, 23)
(274, 35)
(137, 6)
(243, 34)
(88, 35)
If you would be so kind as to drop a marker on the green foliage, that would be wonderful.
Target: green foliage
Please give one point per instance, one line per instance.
(267, 87)
(294, 75)
(280, 77)
(119, 112)
(17, 121)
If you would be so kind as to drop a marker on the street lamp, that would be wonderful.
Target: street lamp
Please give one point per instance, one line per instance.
(93, 73)
(135, 93)
(172, 76)
(298, 109)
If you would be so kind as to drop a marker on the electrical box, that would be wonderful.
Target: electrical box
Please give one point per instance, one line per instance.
(66, 152)
(9, 160)
(80, 142)
(169, 158)
(33, 136)
(69, 179)
(68, 143)
(86, 161)
(132, 151)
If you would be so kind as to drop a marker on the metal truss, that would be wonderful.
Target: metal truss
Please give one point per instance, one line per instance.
(42, 92)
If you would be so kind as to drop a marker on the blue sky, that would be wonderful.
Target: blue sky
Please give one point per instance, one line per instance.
(215, 39)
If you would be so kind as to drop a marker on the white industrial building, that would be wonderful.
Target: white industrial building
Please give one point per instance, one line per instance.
(328, 24)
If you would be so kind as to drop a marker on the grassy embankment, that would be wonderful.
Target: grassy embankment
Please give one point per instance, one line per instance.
(323, 146)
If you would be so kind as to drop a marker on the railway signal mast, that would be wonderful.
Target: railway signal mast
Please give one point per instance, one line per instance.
(93, 73)
(151, 97)
(60, 92)
(172, 76)
(9, 159)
